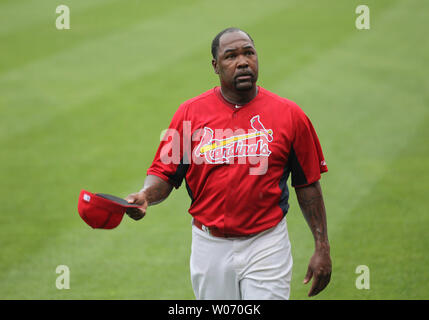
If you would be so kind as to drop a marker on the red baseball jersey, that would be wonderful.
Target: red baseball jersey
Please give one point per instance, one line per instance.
(236, 159)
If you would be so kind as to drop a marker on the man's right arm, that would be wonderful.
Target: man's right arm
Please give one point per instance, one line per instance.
(154, 191)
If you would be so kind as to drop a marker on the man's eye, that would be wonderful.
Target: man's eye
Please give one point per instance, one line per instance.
(230, 56)
(249, 53)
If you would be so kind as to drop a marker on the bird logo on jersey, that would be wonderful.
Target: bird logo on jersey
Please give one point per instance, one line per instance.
(254, 143)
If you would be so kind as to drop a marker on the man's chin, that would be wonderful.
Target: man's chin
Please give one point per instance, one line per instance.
(244, 86)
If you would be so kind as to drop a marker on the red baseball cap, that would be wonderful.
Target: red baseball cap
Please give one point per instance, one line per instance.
(102, 211)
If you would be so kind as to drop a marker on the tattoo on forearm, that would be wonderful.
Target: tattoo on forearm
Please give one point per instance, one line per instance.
(155, 194)
(156, 190)
(310, 200)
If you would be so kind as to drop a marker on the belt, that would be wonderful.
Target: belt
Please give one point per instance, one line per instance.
(215, 232)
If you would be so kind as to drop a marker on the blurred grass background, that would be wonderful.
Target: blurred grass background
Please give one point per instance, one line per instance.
(83, 109)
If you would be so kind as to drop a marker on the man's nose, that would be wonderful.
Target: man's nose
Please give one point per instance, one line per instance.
(242, 62)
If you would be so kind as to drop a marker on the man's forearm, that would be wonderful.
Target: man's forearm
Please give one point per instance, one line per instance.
(155, 189)
(310, 200)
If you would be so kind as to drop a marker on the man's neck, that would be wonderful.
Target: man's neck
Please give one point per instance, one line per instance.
(239, 97)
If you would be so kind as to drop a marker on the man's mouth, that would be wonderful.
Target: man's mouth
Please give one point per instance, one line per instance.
(244, 77)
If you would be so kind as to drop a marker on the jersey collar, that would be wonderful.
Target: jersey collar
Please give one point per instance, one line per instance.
(231, 105)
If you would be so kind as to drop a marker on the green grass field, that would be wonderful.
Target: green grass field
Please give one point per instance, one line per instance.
(84, 108)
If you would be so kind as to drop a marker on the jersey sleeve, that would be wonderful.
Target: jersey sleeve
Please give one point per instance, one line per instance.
(306, 161)
(169, 163)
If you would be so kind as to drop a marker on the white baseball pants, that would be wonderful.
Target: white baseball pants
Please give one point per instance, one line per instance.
(253, 268)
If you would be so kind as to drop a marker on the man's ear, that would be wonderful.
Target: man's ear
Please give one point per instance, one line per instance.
(214, 64)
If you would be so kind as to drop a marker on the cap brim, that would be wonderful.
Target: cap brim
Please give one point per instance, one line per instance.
(117, 200)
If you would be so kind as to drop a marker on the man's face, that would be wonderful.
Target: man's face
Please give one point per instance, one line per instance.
(237, 61)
